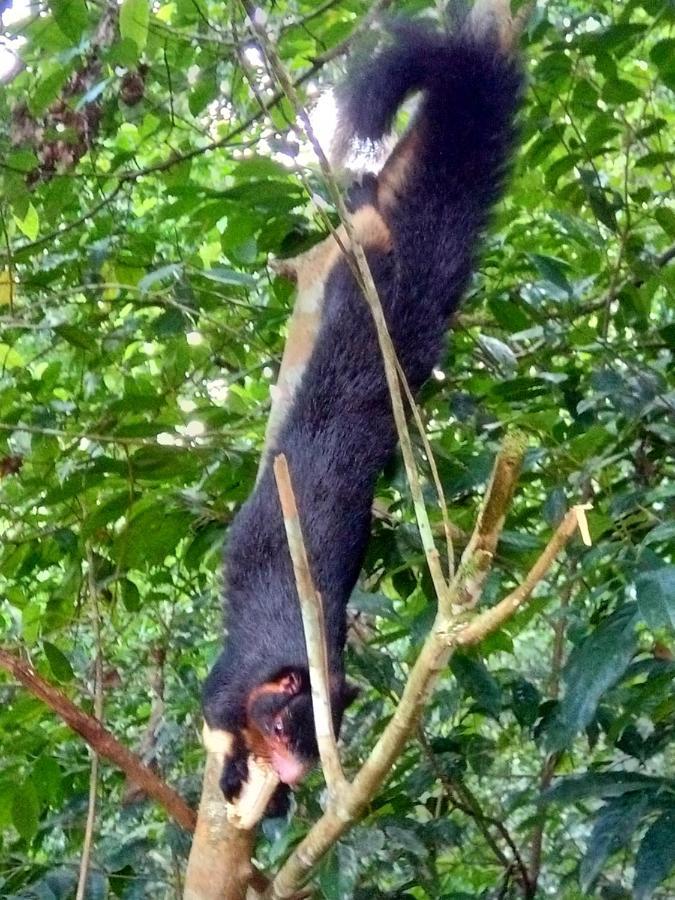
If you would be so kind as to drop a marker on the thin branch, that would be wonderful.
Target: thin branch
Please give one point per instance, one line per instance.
(98, 713)
(479, 552)
(464, 800)
(99, 738)
(181, 440)
(64, 229)
(493, 618)
(10, 260)
(551, 760)
(311, 607)
(431, 460)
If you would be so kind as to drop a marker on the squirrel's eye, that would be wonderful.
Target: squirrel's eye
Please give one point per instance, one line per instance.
(278, 727)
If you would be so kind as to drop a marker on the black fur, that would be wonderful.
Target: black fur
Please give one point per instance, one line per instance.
(340, 432)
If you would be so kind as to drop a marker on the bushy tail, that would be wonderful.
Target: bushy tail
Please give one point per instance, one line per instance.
(443, 66)
(377, 85)
(438, 186)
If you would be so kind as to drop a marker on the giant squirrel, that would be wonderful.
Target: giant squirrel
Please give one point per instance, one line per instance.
(419, 221)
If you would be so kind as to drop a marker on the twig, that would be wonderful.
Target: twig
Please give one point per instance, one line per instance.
(468, 804)
(59, 232)
(180, 440)
(313, 623)
(479, 552)
(551, 760)
(98, 713)
(99, 738)
(440, 493)
(147, 746)
(492, 618)
(9, 270)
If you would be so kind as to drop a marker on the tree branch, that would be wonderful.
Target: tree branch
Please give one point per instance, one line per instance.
(99, 738)
(493, 618)
(445, 636)
(479, 552)
(313, 623)
(98, 713)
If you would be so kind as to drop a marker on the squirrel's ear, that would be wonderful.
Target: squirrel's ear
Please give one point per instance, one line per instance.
(350, 692)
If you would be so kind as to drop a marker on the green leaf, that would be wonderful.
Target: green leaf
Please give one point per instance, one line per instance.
(338, 873)
(9, 357)
(655, 592)
(58, 662)
(593, 667)
(152, 536)
(499, 352)
(71, 17)
(663, 55)
(159, 463)
(604, 784)
(525, 702)
(476, 680)
(230, 276)
(47, 779)
(30, 224)
(130, 595)
(656, 856)
(134, 21)
(619, 91)
(666, 219)
(612, 830)
(170, 272)
(552, 269)
(76, 336)
(47, 89)
(663, 533)
(26, 810)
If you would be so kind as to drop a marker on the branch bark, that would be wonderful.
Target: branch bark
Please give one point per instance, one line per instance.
(99, 739)
(315, 632)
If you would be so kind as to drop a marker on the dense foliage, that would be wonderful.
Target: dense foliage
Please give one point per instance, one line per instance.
(142, 191)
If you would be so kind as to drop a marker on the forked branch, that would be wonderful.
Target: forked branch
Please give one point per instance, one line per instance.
(447, 634)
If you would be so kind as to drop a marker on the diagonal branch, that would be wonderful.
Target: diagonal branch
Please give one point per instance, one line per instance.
(437, 649)
(99, 739)
(493, 618)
